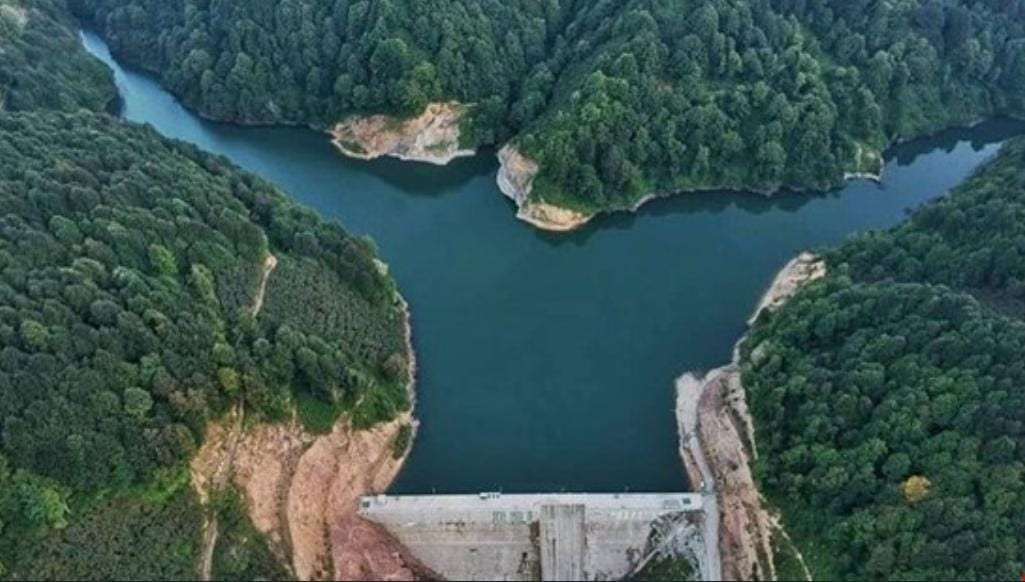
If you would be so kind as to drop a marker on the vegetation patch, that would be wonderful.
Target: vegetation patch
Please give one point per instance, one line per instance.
(667, 568)
(888, 396)
(129, 265)
(124, 538)
(403, 438)
(42, 64)
(242, 552)
(353, 146)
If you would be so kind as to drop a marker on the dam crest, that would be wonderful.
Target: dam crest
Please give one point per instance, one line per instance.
(565, 536)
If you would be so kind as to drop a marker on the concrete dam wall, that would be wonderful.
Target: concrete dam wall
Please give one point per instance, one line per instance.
(491, 536)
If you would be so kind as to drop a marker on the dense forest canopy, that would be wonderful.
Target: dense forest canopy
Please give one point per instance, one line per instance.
(130, 267)
(615, 98)
(889, 398)
(41, 63)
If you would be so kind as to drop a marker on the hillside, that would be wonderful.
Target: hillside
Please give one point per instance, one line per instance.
(41, 63)
(614, 100)
(130, 271)
(150, 295)
(889, 397)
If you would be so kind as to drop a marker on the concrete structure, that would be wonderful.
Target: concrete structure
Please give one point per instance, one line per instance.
(562, 542)
(491, 536)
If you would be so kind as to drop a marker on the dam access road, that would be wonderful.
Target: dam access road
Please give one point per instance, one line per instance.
(593, 536)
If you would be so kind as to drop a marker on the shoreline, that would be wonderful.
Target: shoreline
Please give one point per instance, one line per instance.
(782, 189)
(516, 173)
(551, 218)
(411, 370)
(535, 215)
(717, 445)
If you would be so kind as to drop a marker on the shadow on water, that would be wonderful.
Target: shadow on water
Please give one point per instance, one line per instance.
(423, 179)
(979, 136)
(412, 178)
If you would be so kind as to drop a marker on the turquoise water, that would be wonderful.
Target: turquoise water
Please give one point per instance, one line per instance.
(547, 362)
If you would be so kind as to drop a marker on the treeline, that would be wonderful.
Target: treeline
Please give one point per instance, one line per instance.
(306, 61)
(889, 398)
(41, 63)
(615, 99)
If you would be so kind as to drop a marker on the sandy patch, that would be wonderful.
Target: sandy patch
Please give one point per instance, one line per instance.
(805, 268)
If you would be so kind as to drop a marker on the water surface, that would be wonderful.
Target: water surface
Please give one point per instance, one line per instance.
(547, 361)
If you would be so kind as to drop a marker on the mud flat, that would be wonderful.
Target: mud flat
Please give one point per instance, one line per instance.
(717, 445)
(433, 137)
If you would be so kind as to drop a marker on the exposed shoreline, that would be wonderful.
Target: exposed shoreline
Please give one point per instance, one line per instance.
(717, 443)
(540, 215)
(411, 369)
(432, 137)
(545, 216)
(516, 175)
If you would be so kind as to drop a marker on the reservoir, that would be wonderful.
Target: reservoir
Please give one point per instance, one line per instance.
(547, 361)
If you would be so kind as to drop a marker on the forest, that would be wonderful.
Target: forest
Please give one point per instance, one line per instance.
(616, 99)
(129, 270)
(129, 264)
(889, 398)
(41, 64)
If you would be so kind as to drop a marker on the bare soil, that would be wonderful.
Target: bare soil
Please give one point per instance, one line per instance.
(726, 437)
(302, 491)
(432, 137)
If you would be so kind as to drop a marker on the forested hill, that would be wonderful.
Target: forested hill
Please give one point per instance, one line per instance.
(130, 317)
(889, 398)
(129, 271)
(41, 63)
(614, 98)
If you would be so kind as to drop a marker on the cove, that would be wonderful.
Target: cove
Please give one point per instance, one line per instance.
(547, 362)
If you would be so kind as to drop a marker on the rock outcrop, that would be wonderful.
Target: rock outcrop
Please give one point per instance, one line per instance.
(516, 180)
(432, 137)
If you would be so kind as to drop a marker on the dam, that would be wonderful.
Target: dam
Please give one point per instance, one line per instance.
(492, 536)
